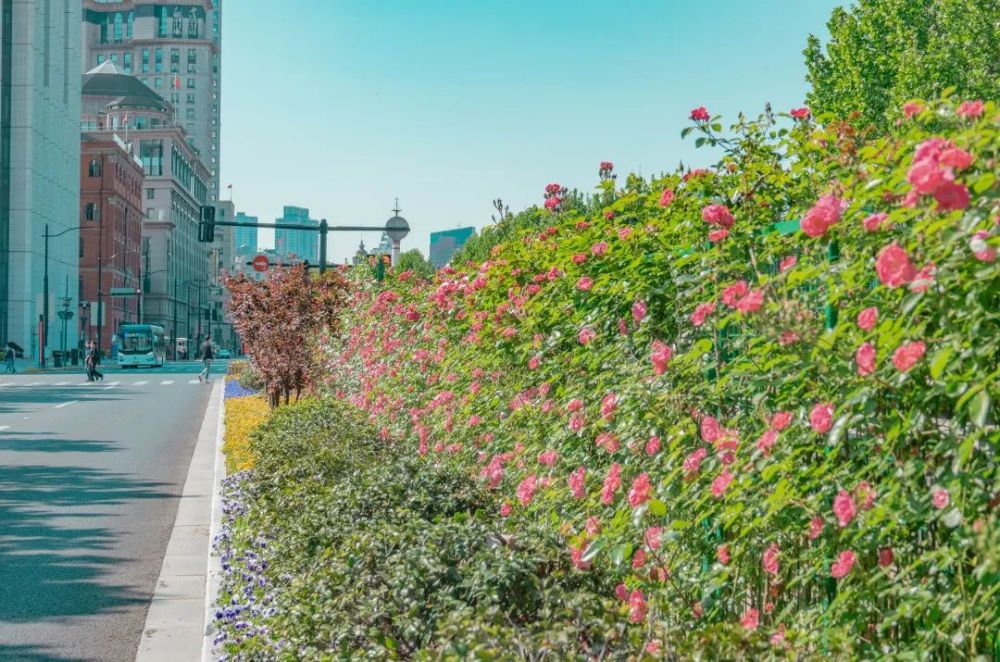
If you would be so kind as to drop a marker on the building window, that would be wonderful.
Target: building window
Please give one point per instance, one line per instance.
(114, 58)
(100, 59)
(175, 97)
(190, 98)
(129, 25)
(127, 61)
(164, 18)
(145, 60)
(192, 28)
(159, 60)
(190, 83)
(118, 28)
(81, 246)
(190, 113)
(90, 212)
(151, 194)
(151, 155)
(175, 60)
(94, 169)
(157, 82)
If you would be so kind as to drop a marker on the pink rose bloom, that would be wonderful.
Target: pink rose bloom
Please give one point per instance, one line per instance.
(940, 498)
(505, 510)
(609, 215)
(576, 553)
(824, 213)
(967, 109)
(931, 149)
(750, 620)
(815, 527)
(592, 525)
(576, 421)
(924, 278)
(874, 222)
(781, 420)
(894, 267)
(787, 338)
(653, 446)
(700, 114)
(867, 318)
(751, 303)
(587, 334)
(767, 442)
(720, 483)
(623, 327)
(638, 559)
(653, 648)
(865, 358)
(608, 405)
(951, 196)
(599, 249)
(955, 157)
(732, 294)
(843, 508)
(722, 553)
(526, 490)
(980, 249)
(579, 258)
(926, 176)
(693, 461)
(800, 113)
(639, 311)
(709, 428)
(576, 404)
(638, 494)
(666, 197)
(865, 494)
(621, 592)
(661, 355)
(787, 263)
(885, 557)
(608, 442)
(702, 311)
(636, 607)
(584, 284)
(552, 204)
(576, 481)
(821, 417)
(715, 236)
(533, 362)
(611, 484)
(652, 537)
(842, 565)
(548, 457)
(717, 215)
(912, 108)
(769, 560)
(906, 356)
(624, 233)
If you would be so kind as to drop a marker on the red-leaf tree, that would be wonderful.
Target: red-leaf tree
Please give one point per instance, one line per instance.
(278, 319)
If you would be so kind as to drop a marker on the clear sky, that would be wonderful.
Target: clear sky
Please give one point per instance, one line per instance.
(340, 106)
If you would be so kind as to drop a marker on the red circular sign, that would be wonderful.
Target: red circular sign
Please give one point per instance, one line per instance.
(260, 263)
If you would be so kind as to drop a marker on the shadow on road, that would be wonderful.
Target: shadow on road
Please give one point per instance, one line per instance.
(49, 570)
(32, 654)
(42, 442)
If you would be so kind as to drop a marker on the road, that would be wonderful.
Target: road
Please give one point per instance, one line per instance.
(90, 476)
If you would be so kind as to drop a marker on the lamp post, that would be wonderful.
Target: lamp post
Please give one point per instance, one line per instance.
(45, 291)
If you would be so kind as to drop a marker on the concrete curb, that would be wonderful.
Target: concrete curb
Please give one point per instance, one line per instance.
(214, 578)
(175, 623)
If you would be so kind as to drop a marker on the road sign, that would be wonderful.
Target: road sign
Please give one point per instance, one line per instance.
(122, 292)
(260, 263)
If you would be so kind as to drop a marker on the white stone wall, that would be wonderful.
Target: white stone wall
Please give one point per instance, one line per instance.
(45, 156)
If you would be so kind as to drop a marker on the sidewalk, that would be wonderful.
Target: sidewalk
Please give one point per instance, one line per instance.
(179, 614)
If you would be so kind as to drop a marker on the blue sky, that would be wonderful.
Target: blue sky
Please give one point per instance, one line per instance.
(341, 106)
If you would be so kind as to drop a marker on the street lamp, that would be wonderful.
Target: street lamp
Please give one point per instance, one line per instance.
(45, 289)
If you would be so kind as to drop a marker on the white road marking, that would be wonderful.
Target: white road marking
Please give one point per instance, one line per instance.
(36, 384)
(166, 382)
(4, 427)
(194, 381)
(140, 383)
(111, 385)
(7, 384)
(66, 404)
(61, 383)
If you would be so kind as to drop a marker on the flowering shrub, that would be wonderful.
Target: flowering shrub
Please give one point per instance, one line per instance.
(243, 415)
(760, 396)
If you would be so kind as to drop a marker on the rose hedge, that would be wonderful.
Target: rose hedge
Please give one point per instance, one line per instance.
(760, 395)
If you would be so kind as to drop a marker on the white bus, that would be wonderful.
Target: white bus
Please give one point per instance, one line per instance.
(142, 345)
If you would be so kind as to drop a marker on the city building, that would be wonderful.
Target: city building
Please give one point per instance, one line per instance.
(39, 157)
(176, 50)
(296, 245)
(223, 261)
(176, 270)
(446, 243)
(246, 238)
(111, 190)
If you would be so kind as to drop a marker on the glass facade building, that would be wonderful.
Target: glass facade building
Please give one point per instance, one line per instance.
(296, 245)
(444, 244)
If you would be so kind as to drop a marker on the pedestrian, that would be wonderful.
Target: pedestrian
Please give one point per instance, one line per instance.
(207, 354)
(93, 374)
(9, 357)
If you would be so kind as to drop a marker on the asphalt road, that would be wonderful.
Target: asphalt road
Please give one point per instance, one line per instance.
(90, 476)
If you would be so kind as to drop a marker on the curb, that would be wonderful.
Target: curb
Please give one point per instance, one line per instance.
(175, 623)
(214, 576)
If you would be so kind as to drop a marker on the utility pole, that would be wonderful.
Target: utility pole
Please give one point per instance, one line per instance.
(45, 302)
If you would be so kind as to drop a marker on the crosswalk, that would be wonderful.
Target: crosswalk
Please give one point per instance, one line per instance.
(103, 384)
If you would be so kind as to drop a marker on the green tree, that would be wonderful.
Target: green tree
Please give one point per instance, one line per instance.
(413, 260)
(882, 53)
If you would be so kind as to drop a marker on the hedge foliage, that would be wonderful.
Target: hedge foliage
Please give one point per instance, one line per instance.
(243, 415)
(761, 396)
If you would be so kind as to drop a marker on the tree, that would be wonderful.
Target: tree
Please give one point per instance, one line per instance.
(280, 317)
(882, 53)
(413, 260)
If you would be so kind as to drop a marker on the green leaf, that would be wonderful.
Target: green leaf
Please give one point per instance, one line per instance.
(979, 408)
(983, 183)
(657, 508)
(594, 548)
(621, 552)
(940, 361)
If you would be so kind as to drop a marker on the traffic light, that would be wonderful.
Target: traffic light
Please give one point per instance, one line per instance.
(206, 229)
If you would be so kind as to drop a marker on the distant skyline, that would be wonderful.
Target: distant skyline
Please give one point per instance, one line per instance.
(340, 106)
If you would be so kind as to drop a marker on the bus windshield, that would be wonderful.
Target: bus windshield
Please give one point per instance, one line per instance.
(137, 342)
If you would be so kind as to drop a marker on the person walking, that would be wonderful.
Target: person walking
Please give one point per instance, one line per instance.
(93, 374)
(9, 357)
(207, 354)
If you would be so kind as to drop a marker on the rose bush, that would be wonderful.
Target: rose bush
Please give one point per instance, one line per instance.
(758, 456)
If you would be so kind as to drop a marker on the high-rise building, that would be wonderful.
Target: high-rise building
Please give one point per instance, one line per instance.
(176, 271)
(176, 50)
(246, 238)
(296, 245)
(446, 243)
(39, 161)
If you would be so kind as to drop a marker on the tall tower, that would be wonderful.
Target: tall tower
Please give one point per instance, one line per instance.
(176, 50)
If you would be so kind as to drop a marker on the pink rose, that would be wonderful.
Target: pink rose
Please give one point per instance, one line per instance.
(815, 527)
(767, 442)
(666, 197)
(940, 498)
(526, 489)
(843, 508)
(587, 335)
(865, 358)
(693, 461)
(787, 263)
(769, 560)
(652, 537)
(722, 554)
(885, 557)
(912, 108)
(926, 176)
(842, 565)
(611, 484)
(717, 215)
(584, 284)
(967, 109)
(576, 483)
(825, 213)
(955, 157)
(894, 267)
(924, 278)
(951, 196)
(599, 249)
(661, 355)
(702, 311)
(699, 114)
(636, 607)
(732, 294)
(907, 355)
(751, 303)
(874, 222)
(609, 215)
(821, 417)
(720, 483)
(579, 258)
(639, 311)
(709, 429)
(981, 249)
(715, 236)
(552, 204)
(505, 510)
(750, 619)
(653, 446)
(548, 457)
(638, 494)
(781, 420)
(608, 442)
(608, 405)
(533, 362)
(867, 318)
(800, 113)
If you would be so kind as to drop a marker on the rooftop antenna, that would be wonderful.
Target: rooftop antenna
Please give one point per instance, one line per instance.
(395, 210)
